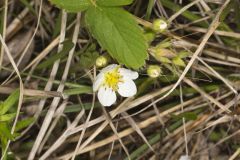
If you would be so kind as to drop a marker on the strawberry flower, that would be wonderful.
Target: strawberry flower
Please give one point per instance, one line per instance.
(112, 79)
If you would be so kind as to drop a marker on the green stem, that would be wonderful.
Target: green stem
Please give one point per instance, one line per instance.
(149, 9)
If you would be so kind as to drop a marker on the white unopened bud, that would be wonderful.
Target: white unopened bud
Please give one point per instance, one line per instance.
(159, 25)
(154, 71)
(101, 61)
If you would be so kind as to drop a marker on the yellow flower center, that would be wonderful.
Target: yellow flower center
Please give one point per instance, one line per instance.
(112, 79)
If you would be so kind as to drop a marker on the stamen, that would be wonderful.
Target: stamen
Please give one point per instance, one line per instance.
(112, 79)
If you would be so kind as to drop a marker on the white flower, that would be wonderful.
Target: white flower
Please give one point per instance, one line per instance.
(111, 79)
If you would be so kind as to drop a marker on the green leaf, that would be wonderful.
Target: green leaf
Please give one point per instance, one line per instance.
(226, 11)
(57, 26)
(178, 61)
(75, 108)
(72, 5)
(9, 102)
(164, 60)
(186, 115)
(149, 36)
(28, 5)
(88, 59)
(24, 123)
(215, 136)
(145, 85)
(80, 90)
(5, 131)
(183, 54)
(117, 31)
(67, 46)
(3, 146)
(7, 117)
(114, 2)
(164, 44)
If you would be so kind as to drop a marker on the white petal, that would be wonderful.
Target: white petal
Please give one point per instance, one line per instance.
(106, 96)
(109, 68)
(128, 73)
(127, 88)
(98, 81)
(163, 25)
(184, 157)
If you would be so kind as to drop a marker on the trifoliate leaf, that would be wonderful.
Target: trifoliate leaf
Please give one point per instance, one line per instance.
(117, 31)
(114, 2)
(72, 5)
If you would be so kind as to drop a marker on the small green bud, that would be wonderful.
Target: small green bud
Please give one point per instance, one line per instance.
(162, 52)
(159, 25)
(101, 61)
(149, 36)
(154, 71)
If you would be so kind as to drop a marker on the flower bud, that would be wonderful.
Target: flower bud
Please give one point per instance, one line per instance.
(159, 25)
(154, 71)
(149, 36)
(101, 61)
(159, 53)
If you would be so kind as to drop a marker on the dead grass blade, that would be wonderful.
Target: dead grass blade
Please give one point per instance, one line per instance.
(136, 128)
(48, 86)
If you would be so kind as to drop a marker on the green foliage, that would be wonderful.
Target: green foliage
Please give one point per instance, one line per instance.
(57, 27)
(217, 135)
(9, 102)
(88, 59)
(183, 54)
(5, 119)
(79, 90)
(24, 123)
(151, 4)
(186, 115)
(7, 114)
(149, 36)
(164, 60)
(115, 29)
(72, 5)
(145, 85)
(113, 3)
(178, 61)
(5, 132)
(226, 11)
(28, 5)
(67, 46)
